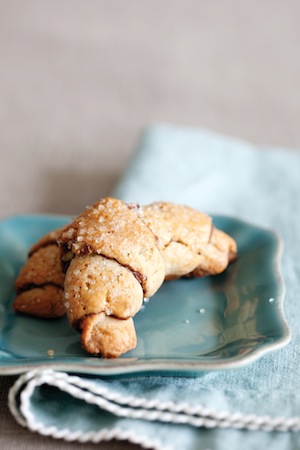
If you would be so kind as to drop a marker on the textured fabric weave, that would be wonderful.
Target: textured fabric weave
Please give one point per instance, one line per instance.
(220, 175)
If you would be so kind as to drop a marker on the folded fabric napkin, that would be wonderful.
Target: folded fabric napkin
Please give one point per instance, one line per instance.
(257, 406)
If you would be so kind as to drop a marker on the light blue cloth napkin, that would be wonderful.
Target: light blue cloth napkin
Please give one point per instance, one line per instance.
(215, 174)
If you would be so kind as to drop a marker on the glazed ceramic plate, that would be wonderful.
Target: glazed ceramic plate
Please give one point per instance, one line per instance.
(189, 326)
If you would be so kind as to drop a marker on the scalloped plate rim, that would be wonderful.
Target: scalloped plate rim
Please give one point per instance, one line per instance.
(155, 366)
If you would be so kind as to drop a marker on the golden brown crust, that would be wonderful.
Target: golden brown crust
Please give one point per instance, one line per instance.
(107, 336)
(95, 284)
(48, 239)
(111, 228)
(112, 262)
(42, 267)
(216, 255)
(189, 243)
(177, 223)
(40, 283)
(179, 260)
(45, 302)
(114, 255)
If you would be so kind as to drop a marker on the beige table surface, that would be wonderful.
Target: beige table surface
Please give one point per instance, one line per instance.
(80, 79)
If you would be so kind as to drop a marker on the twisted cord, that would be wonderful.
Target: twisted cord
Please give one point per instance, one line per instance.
(129, 407)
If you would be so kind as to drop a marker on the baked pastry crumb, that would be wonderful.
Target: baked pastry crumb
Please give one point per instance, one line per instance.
(100, 268)
(39, 286)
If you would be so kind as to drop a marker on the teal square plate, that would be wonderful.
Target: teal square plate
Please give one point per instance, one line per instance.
(189, 326)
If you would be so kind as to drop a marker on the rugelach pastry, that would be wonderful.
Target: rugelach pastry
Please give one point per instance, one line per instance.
(189, 243)
(112, 262)
(39, 286)
(100, 267)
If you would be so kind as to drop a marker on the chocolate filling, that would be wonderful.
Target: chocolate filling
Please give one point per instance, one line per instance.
(29, 286)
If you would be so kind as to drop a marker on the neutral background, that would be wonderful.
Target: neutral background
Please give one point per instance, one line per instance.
(79, 80)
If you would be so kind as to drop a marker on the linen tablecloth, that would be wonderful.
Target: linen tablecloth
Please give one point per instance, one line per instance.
(218, 409)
